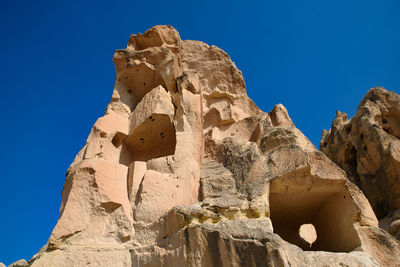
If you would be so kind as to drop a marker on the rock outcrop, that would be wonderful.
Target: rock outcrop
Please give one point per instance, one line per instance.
(18, 263)
(185, 170)
(367, 147)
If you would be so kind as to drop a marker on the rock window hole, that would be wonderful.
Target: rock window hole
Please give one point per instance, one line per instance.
(308, 234)
(320, 219)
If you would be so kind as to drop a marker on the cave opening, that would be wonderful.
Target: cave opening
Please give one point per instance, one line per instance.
(308, 234)
(154, 138)
(328, 208)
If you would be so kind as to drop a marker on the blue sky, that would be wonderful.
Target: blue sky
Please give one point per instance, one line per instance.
(57, 76)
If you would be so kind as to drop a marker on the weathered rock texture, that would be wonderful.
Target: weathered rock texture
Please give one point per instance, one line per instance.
(185, 170)
(367, 147)
(18, 263)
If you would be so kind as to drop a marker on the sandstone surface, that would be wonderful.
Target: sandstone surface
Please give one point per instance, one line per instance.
(367, 147)
(185, 170)
(18, 263)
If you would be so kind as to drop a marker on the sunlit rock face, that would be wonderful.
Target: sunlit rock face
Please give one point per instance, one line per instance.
(185, 170)
(367, 147)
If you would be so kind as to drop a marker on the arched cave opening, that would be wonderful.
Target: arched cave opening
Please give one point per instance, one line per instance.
(154, 138)
(137, 81)
(328, 207)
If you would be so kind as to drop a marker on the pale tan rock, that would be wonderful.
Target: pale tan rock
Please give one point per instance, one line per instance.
(156, 102)
(76, 255)
(97, 205)
(367, 147)
(185, 170)
(18, 263)
(137, 170)
(152, 133)
(280, 117)
(380, 245)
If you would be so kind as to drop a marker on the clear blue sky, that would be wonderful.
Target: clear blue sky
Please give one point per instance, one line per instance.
(57, 76)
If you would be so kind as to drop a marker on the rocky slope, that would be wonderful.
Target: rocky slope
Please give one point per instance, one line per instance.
(185, 170)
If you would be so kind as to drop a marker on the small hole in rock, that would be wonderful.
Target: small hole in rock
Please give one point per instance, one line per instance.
(161, 133)
(362, 136)
(365, 148)
(308, 233)
(130, 91)
(384, 120)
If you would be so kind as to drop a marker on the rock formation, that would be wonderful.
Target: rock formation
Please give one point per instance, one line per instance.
(18, 263)
(367, 147)
(185, 170)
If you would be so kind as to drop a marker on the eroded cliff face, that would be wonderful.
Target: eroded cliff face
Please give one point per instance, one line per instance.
(185, 170)
(367, 147)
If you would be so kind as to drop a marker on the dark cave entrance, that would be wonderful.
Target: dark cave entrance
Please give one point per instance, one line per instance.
(329, 208)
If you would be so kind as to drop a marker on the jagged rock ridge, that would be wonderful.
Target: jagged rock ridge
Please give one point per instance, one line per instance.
(367, 147)
(185, 170)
